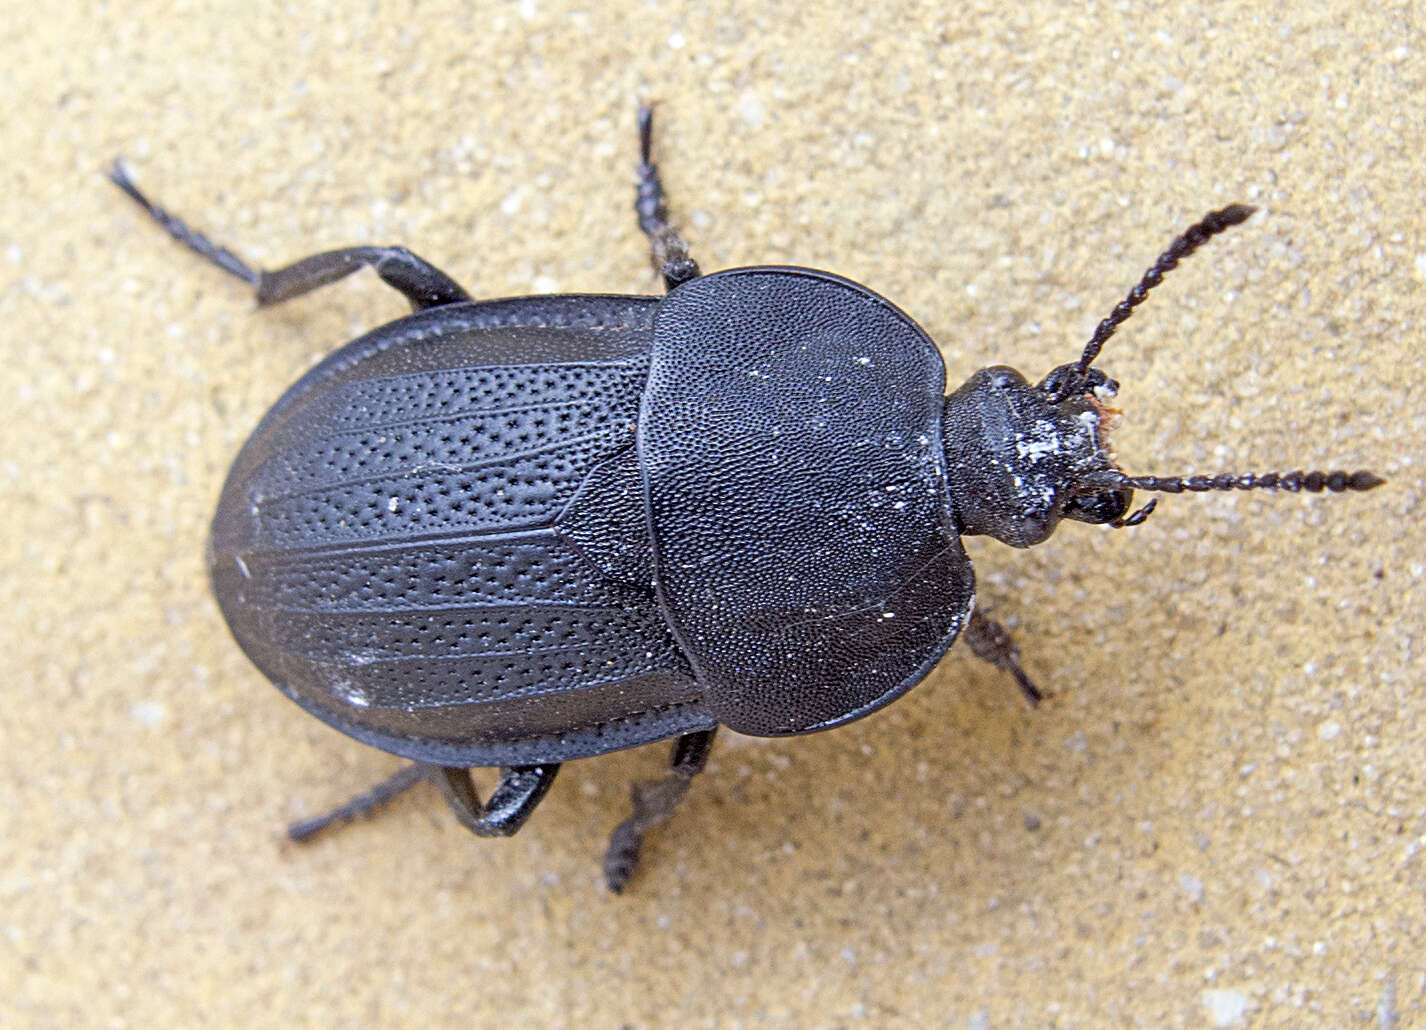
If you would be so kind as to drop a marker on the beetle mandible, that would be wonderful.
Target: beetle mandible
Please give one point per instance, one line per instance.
(518, 532)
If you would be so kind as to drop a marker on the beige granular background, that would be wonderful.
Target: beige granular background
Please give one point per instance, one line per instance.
(1220, 820)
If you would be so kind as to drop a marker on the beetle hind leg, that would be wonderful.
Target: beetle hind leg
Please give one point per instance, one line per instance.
(519, 792)
(421, 282)
(415, 278)
(667, 250)
(654, 803)
(362, 805)
(991, 642)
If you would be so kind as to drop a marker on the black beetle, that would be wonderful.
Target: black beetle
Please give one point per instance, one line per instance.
(517, 532)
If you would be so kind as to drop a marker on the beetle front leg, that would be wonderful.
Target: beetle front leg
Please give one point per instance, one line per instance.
(991, 642)
(521, 789)
(654, 802)
(421, 282)
(667, 249)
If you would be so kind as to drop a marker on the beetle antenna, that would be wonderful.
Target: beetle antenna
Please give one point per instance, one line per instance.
(1293, 482)
(1209, 226)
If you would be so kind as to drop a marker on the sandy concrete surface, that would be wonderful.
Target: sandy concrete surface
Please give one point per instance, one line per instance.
(1220, 819)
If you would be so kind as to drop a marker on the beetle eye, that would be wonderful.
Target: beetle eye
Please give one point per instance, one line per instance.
(1066, 379)
(1099, 508)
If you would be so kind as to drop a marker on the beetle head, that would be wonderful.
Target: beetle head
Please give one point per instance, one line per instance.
(1020, 458)
(1016, 455)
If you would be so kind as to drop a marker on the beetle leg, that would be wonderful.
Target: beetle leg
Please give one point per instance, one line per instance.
(422, 283)
(363, 804)
(654, 802)
(991, 642)
(520, 790)
(667, 250)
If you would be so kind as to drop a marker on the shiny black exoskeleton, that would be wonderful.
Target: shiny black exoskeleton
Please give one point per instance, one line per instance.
(517, 532)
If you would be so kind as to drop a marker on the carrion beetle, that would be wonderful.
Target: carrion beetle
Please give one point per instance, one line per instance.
(518, 532)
